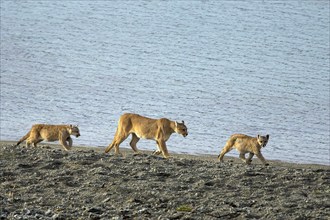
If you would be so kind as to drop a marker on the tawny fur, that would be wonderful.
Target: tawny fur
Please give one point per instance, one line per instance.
(245, 144)
(139, 126)
(41, 132)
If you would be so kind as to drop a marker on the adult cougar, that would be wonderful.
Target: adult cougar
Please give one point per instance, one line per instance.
(139, 126)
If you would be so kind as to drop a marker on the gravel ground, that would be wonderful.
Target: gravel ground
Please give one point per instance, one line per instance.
(85, 183)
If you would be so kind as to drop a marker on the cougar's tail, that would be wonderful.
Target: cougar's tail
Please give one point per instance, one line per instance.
(23, 138)
(113, 142)
(109, 148)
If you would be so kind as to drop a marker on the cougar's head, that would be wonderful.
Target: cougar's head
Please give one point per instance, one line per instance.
(263, 140)
(181, 128)
(74, 130)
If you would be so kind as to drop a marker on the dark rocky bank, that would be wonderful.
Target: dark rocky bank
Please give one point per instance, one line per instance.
(85, 183)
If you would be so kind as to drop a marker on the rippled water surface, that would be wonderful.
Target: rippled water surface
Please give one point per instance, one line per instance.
(223, 67)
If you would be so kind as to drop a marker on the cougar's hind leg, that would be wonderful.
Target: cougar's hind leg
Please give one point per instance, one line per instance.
(120, 138)
(133, 143)
(242, 157)
(225, 150)
(27, 143)
(37, 142)
(249, 159)
(33, 139)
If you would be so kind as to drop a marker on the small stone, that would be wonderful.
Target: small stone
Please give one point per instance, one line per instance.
(48, 212)
(96, 210)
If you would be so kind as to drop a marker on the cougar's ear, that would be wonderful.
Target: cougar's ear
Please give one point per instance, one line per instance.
(258, 136)
(71, 126)
(182, 122)
(267, 136)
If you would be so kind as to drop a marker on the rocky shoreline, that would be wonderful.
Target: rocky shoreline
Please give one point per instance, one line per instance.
(85, 183)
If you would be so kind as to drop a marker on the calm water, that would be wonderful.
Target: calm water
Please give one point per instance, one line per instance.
(221, 66)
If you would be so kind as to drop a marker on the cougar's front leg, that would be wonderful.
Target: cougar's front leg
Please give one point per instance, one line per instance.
(259, 155)
(162, 146)
(133, 143)
(69, 139)
(62, 140)
(158, 151)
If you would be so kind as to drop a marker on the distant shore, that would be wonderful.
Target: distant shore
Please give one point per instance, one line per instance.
(49, 183)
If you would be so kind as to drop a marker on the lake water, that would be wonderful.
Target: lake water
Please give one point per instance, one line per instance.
(224, 67)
